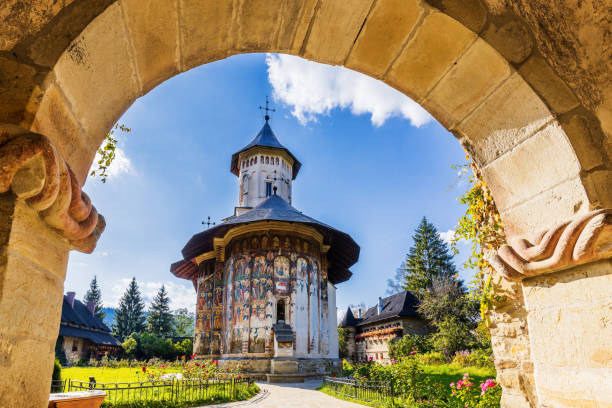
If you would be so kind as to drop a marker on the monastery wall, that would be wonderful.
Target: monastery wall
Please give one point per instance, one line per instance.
(238, 300)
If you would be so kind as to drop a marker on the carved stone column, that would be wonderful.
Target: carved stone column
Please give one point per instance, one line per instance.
(565, 277)
(43, 214)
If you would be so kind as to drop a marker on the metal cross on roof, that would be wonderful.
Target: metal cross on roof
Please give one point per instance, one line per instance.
(208, 223)
(267, 117)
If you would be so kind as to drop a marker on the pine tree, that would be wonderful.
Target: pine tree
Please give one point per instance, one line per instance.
(95, 295)
(183, 323)
(428, 258)
(159, 318)
(129, 317)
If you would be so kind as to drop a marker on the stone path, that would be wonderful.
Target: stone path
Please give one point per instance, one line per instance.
(300, 395)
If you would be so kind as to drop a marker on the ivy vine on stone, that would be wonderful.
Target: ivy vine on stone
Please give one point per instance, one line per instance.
(482, 227)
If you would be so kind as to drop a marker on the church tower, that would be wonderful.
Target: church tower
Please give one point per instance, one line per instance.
(266, 276)
(264, 167)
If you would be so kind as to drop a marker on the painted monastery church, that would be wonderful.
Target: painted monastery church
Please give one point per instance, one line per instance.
(265, 277)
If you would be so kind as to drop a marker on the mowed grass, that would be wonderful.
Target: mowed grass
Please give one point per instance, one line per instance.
(448, 373)
(108, 375)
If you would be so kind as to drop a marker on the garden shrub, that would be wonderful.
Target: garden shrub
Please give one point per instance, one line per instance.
(57, 370)
(474, 358)
(407, 344)
(412, 388)
(432, 358)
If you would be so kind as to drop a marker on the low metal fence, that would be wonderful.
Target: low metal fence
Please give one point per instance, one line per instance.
(166, 391)
(362, 390)
(58, 386)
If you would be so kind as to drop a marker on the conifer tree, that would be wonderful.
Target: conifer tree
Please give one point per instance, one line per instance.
(428, 258)
(95, 295)
(129, 317)
(159, 318)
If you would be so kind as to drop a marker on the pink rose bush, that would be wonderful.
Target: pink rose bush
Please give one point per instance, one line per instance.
(465, 395)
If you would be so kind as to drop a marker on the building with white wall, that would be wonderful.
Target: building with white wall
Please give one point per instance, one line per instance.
(266, 276)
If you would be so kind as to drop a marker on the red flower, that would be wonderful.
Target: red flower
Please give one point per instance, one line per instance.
(198, 364)
(163, 366)
(239, 377)
(334, 374)
(144, 369)
(193, 356)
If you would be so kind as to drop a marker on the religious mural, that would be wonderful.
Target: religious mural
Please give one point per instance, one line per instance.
(237, 301)
(281, 275)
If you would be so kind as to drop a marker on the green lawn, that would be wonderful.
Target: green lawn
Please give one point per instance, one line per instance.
(107, 375)
(448, 373)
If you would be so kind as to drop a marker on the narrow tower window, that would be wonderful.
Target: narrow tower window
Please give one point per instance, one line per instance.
(268, 189)
(280, 311)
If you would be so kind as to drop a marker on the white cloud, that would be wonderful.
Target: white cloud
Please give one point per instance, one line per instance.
(447, 236)
(181, 295)
(315, 89)
(120, 165)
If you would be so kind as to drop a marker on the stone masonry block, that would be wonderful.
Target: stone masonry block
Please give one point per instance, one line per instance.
(548, 208)
(205, 31)
(510, 115)
(545, 81)
(261, 27)
(436, 45)
(26, 365)
(461, 90)
(153, 28)
(533, 167)
(97, 75)
(340, 20)
(390, 23)
(55, 120)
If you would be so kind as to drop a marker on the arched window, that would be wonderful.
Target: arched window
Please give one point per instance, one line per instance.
(277, 161)
(255, 159)
(267, 160)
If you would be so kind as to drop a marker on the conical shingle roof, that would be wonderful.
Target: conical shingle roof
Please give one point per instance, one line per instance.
(265, 138)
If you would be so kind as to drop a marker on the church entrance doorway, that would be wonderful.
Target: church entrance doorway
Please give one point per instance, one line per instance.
(280, 311)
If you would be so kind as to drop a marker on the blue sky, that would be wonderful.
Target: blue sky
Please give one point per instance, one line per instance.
(367, 170)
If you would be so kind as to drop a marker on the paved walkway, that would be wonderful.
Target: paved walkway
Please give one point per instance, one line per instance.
(300, 395)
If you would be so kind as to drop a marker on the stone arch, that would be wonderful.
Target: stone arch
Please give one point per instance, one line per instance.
(539, 131)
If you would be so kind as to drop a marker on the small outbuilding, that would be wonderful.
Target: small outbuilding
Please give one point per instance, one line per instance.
(393, 317)
(81, 334)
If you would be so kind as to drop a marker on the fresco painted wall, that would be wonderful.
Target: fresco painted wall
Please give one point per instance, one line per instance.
(237, 300)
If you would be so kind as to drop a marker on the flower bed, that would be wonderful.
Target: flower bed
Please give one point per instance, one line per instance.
(406, 383)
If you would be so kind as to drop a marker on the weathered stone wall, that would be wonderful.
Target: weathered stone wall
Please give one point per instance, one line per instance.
(523, 85)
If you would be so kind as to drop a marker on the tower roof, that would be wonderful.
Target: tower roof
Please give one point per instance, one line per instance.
(343, 252)
(265, 138)
(349, 319)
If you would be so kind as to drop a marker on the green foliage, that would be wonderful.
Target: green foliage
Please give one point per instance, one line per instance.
(415, 385)
(427, 259)
(149, 346)
(57, 370)
(60, 354)
(159, 319)
(475, 358)
(452, 335)
(129, 316)
(405, 345)
(129, 346)
(342, 342)
(94, 294)
(432, 358)
(107, 151)
(183, 322)
(453, 314)
(481, 225)
(466, 394)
